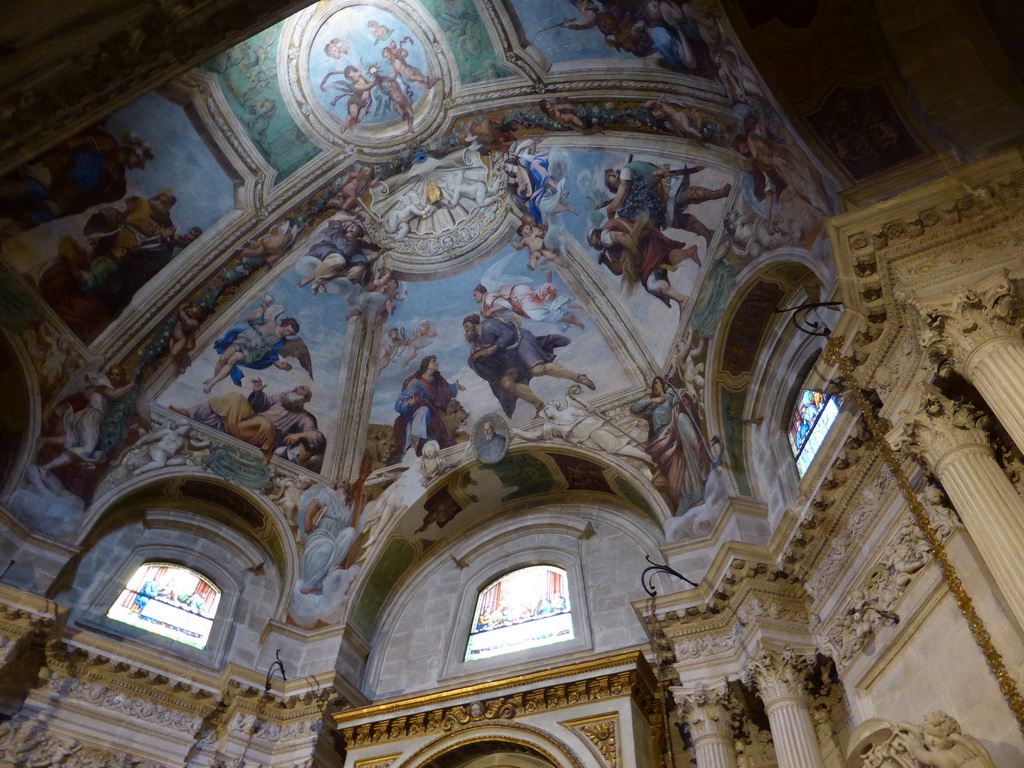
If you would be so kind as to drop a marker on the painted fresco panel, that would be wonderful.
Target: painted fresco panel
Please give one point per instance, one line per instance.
(115, 205)
(275, 363)
(670, 214)
(669, 34)
(247, 74)
(528, 301)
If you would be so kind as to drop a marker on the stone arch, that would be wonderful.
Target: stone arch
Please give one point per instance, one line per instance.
(505, 736)
(22, 413)
(753, 347)
(206, 498)
(601, 546)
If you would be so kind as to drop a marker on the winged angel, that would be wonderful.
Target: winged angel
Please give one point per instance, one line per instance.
(435, 194)
(267, 340)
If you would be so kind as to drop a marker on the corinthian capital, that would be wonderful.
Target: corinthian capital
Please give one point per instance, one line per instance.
(976, 315)
(778, 675)
(705, 708)
(940, 427)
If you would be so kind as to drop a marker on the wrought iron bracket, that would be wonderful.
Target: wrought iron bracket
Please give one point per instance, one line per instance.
(647, 581)
(279, 666)
(800, 318)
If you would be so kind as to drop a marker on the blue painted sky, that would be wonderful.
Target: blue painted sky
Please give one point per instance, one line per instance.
(446, 302)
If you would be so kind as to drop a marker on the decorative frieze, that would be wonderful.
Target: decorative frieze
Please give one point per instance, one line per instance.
(29, 745)
(502, 708)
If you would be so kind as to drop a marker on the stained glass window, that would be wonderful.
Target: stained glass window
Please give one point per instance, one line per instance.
(524, 609)
(812, 418)
(170, 601)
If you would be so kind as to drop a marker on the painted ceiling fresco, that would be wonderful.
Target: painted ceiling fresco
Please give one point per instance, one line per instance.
(411, 262)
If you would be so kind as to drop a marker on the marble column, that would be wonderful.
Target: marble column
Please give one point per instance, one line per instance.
(950, 438)
(706, 711)
(779, 678)
(980, 332)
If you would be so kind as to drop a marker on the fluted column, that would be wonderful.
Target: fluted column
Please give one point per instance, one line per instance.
(780, 681)
(950, 438)
(980, 331)
(706, 711)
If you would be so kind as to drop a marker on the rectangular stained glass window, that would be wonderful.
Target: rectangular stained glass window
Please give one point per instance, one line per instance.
(169, 601)
(524, 609)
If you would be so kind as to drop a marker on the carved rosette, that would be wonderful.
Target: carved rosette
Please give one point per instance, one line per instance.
(976, 317)
(941, 427)
(601, 733)
(778, 675)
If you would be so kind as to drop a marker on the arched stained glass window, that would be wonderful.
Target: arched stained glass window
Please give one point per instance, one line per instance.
(524, 609)
(811, 420)
(170, 601)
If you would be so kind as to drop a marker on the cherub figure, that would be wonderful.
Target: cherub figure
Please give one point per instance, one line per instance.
(563, 112)
(396, 55)
(531, 237)
(355, 183)
(338, 48)
(286, 493)
(357, 88)
(379, 32)
(939, 743)
(183, 337)
(680, 119)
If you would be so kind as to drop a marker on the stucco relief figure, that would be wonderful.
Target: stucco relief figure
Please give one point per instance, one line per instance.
(286, 492)
(168, 446)
(572, 422)
(267, 339)
(507, 357)
(938, 743)
(421, 406)
(435, 194)
(326, 531)
(676, 442)
(276, 424)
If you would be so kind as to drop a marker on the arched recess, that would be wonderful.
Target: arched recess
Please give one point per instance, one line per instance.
(21, 417)
(412, 519)
(223, 532)
(428, 613)
(465, 747)
(758, 350)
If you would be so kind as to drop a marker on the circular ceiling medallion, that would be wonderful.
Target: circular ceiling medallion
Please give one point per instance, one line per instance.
(368, 73)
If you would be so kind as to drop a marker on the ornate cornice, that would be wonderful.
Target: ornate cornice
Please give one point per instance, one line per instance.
(25, 743)
(932, 238)
(404, 722)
